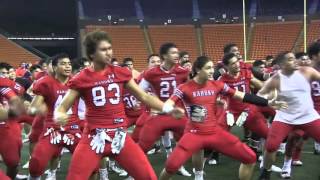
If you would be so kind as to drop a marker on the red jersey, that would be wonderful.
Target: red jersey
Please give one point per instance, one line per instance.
(240, 83)
(53, 91)
(164, 82)
(132, 106)
(102, 93)
(6, 91)
(315, 92)
(203, 96)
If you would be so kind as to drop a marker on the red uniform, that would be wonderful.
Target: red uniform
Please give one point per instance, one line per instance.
(203, 130)
(132, 108)
(52, 91)
(10, 130)
(102, 93)
(255, 122)
(163, 84)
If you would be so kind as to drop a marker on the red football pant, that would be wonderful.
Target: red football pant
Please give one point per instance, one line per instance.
(279, 131)
(11, 143)
(156, 126)
(255, 122)
(139, 124)
(84, 160)
(37, 128)
(3, 176)
(221, 141)
(43, 152)
(131, 120)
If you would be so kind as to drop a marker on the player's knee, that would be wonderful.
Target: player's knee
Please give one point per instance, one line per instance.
(250, 156)
(12, 161)
(35, 167)
(271, 146)
(172, 166)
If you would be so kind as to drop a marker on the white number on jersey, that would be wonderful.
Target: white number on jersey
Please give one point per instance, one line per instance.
(58, 102)
(166, 86)
(315, 88)
(99, 94)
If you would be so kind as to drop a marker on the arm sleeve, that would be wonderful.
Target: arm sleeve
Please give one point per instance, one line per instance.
(7, 93)
(39, 87)
(177, 94)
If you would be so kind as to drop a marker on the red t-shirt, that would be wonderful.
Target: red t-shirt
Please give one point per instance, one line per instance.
(53, 91)
(191, 94)
(165, 82)
(102, 93)
(240, 83)
(132, 107)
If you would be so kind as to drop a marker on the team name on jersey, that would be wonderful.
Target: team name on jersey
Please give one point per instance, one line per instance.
(203, 93)
(61, 91)
(167, 79)
(236, 83)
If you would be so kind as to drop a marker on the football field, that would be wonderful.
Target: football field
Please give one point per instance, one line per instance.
(227, 169)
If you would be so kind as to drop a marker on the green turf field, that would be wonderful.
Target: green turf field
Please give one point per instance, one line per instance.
(226, 170)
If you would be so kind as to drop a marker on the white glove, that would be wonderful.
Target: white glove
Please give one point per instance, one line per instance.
(242, 118)
(118, 141)
(230, 118)
(69, 139)
(55, 136)
(98, 141)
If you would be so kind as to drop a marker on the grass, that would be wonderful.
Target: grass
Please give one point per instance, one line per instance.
(226, 170)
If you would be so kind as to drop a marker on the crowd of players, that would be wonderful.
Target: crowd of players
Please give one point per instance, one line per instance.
(87, 106)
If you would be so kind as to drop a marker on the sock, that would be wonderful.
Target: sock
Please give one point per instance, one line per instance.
(287, 163)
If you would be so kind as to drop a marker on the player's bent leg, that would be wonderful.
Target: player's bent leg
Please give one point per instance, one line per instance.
(312, 129)
(84, 161)
(138, 167)
(42, 154)
(188, 145)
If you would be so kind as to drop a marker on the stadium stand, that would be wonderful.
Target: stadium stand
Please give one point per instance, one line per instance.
(13, 53)
(270, 38)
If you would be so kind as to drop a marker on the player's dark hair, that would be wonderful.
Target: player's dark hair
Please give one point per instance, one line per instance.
(281, 57)
(57, 57)
(300, 54)
(226, 58)
(127, 59)
(227, 48)
(4, 65)
(183, 53)
(257, 63)
(34, 67)
(314, 49)
(269, 57)
(151, 55)
(198, 64)
(164, 49)
(92, 40)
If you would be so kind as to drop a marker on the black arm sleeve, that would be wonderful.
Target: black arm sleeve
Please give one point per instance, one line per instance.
(254, 99)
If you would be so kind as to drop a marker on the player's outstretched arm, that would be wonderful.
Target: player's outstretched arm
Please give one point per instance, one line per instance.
(144, 97)
(37, 106)
(60, 113)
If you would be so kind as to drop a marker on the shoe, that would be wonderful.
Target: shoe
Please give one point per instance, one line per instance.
(123, 173)
(273, 168)
(51, 176)
(260, 158)
(129, 178)
(286, 173)
(212, 162)
(116, 169)
(26, 165)
(21, 176)
(152, 151)
(297, 163)
(182, 171)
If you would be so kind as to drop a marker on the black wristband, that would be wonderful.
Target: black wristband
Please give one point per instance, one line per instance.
(254, 99)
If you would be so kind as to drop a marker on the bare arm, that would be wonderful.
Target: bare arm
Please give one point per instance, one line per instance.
(256, 83)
